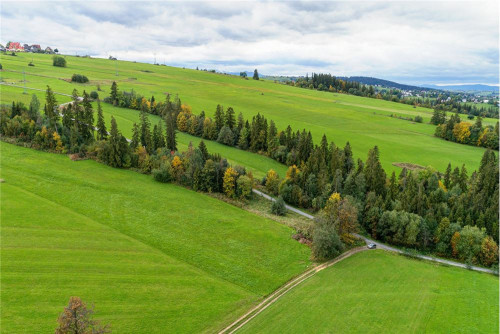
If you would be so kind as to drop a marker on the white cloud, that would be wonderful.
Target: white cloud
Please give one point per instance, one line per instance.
(432, 42)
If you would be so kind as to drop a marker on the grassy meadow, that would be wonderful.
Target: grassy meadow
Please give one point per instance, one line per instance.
(381, 292)
(152, 257)
(363, 122)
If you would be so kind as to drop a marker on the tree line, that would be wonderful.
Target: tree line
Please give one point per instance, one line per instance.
(330, 83)
(419, 209)
(405, 209)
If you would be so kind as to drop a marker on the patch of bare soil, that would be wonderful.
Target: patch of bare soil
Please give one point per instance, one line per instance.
(408, 165)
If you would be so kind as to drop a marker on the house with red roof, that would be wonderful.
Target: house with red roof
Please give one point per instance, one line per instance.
(15, 46)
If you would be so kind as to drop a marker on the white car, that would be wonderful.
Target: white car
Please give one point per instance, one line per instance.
(372, 246)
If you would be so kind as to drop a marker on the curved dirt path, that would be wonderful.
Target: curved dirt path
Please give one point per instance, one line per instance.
(277, 294)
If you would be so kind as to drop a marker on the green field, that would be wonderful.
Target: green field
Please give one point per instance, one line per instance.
(363, 122)
(152, 257)
(380, 292)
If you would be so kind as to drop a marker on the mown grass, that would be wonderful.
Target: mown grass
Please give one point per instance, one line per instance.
(363, 122)
(380, 292)
(152, 257)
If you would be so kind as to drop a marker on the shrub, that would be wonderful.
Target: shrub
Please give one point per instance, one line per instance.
(419, 119)
(31, 64)
(163, 174)
(79, 78)
(1, 68)
(94, 95)
(59, 61)
(244, 187)
(278, 207)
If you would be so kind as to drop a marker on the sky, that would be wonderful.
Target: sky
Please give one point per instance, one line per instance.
(446, 42)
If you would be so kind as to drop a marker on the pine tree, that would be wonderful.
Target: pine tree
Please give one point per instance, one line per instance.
(88, 118)
(374, 173)
(146, 140)
(204, 151)
(136, 137)
(114, 93)
(34, 109)
(255, 75)
(219, 118)
(171, 140)
(102, 132)
(118, 152)
(51, 107)
(230, 121)
(447, 176)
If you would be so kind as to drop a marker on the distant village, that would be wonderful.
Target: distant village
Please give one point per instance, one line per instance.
(35, 48)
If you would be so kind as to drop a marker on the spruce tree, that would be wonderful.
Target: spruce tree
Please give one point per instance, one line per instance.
(171, 140)
(447, 176)
(114, 93)
(146, 140)
(374, 173)
(203, 150)
(102, 132)
(51, 107)
(136, 137)
(255, 74)
(230, 120)
(88, 118)
(219, 118)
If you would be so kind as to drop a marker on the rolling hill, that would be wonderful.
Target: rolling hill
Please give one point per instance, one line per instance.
(363, 122)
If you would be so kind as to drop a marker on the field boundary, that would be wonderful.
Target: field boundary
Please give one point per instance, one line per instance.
(277, 294)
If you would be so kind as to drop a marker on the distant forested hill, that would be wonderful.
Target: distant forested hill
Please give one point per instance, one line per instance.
(382, 82)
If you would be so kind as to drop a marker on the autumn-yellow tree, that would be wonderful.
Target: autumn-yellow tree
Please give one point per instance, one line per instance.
(57, 142)
(292, 173)
(461, 131)
(182, 122)
(272, 182)
(489, 251)
(229, 183)
(177, 167)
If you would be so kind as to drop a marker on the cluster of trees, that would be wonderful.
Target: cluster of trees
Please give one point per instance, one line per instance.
(453, 129)
(453, 215)
(67, 129)
(328, 82)
(79, 78)
(472, 110)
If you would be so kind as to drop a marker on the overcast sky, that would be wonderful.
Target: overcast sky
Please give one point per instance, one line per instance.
(409, 42)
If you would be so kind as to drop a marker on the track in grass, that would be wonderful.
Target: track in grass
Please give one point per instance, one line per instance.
(380, 292)
(153, 257)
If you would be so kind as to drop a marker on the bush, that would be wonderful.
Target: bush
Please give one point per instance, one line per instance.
(79, 78)
(1, 68)
(163, 174)
(278, 207)
(419, 119)
(94, 95)
(59, 61)
(31, 64)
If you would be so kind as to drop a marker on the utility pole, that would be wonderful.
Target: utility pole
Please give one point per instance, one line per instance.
(116, 67)
(155, 58)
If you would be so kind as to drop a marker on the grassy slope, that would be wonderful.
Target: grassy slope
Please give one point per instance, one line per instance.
(53, 208)
(362, 121)
(376, 291)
